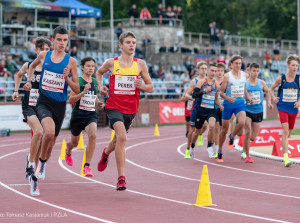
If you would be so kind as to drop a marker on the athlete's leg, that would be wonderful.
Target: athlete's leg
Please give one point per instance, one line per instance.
(241, 117)
(73, 143)
(223, 132)
(285, 135)
(37, 130)
(48, 137)
(248, 130)
(211, 128)
(91, 130)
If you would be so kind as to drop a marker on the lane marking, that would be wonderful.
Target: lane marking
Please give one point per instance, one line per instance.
(17, 185)
(167, 199)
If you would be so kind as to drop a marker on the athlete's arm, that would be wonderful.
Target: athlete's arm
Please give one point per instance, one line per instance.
(108, 65)
(183, 97)
(72, 68)
(217, 102)
(189, 90)
(266, 89)
(197, 93)
(18, 79)
(275, 85)
(223, 88)
(99, 104)
(247, 96)
(75, 97)
(148, 86)
(39, 60)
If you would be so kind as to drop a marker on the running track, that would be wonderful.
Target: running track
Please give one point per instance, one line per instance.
(162, 185)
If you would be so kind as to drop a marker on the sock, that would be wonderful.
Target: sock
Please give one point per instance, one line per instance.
(31, 164)
(217, 148)
(285, 155)
(34, 178)
(68, 154)
(210, 144)
(193, 145)
(231, 136)
(220, 150)
(86, 164)
(188, 148)
(43, 161)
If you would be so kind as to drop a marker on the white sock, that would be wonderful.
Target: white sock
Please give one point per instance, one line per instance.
(217, 148)
(31, 164)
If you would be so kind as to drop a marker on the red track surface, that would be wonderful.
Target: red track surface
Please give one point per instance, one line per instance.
(162, 185)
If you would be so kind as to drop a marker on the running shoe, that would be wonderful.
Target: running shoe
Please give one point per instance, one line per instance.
(211, 152)
(192, 152)
(103, 161)
(231, 141)
(220, 158)
(287, 162)
(243, 155)
(121, 185)
(34, 190)
(40, 172)
(187, 154)
(87, 171)
(200, 140)
(249, 159)
(29, 169)
(216, 155)
(69, 160)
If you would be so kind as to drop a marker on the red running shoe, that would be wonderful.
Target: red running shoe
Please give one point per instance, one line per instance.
(121, 185)
(103, 161)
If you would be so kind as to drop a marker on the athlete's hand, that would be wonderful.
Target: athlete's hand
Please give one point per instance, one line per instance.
(15, 96)
(138, 83)
(27, 86)
(221, 108)
(87, 87)
(207, 89)
(270, 105)
(230, 99)
(275, 100)
(66, 72)
(100, 105)
(250, 101)
(297, 104)
(103, 90)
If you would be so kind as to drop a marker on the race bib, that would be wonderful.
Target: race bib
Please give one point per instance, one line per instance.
(208, 101)
(53, 82)
(33, 97)
(189, 105)
(88, 102)
(290, 95)
(124, 84)
(237, 91)
(255, 96)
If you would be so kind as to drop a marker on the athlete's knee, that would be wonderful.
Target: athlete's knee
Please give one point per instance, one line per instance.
(121, 138)
(92, 137)
(49, 135)
(211, 128)
(252, 138)
(38, 133)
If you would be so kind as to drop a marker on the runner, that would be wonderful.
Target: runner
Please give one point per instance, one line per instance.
(51, 104)
(123, 101)
(202, 69)
(287, 102)
(219, 78)
(254, 112)
(84, 114)
(234, 84)
(28, 108)
(188, 107)
(207, 92)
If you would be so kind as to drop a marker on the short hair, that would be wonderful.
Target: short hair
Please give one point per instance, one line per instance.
(235, 57)
(59, 30)
(254, 65)
(126, 34)
(292, 57)
(200, 63)
(212, 65)
(41, 41)
(221, 65)
(86, 59)
(248, 65)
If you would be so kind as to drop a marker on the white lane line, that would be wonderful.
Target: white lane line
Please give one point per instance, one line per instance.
(233, 168)
(167, 199)
(217, 184)
(47, 203)
(18, 185)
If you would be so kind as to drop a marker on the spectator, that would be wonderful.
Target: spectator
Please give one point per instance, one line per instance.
(187, 62)
(174, 49)
(145, 15)
(185, 77)
(159, 14)
(191, 67)
(3, 70)
(278, 40)
(30, 48)
(161, 72)
(170, 86)
(163, 48)
(139, 53)
(11, 67)
(133, 14)
(170, 15)
(175, 11)
(268, 59)
(146, 41)
(179, 13)
(26, 22)
(276, 51)
(217, 41)
(14, 18)
(221, 59)
(211, 33)
(73, 52)
(196, 48)
(222, 41)
(118, 30)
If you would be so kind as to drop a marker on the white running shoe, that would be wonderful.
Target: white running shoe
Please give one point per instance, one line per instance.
(34, 190)
(192, 152)
(40, 172)
(211, 152)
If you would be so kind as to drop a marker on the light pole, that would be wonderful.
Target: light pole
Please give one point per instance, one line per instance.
(112, 26)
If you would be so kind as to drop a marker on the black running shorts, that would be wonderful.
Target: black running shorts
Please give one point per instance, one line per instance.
(27, 111)
(115, 115)
(79, 124)
(255, 117)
